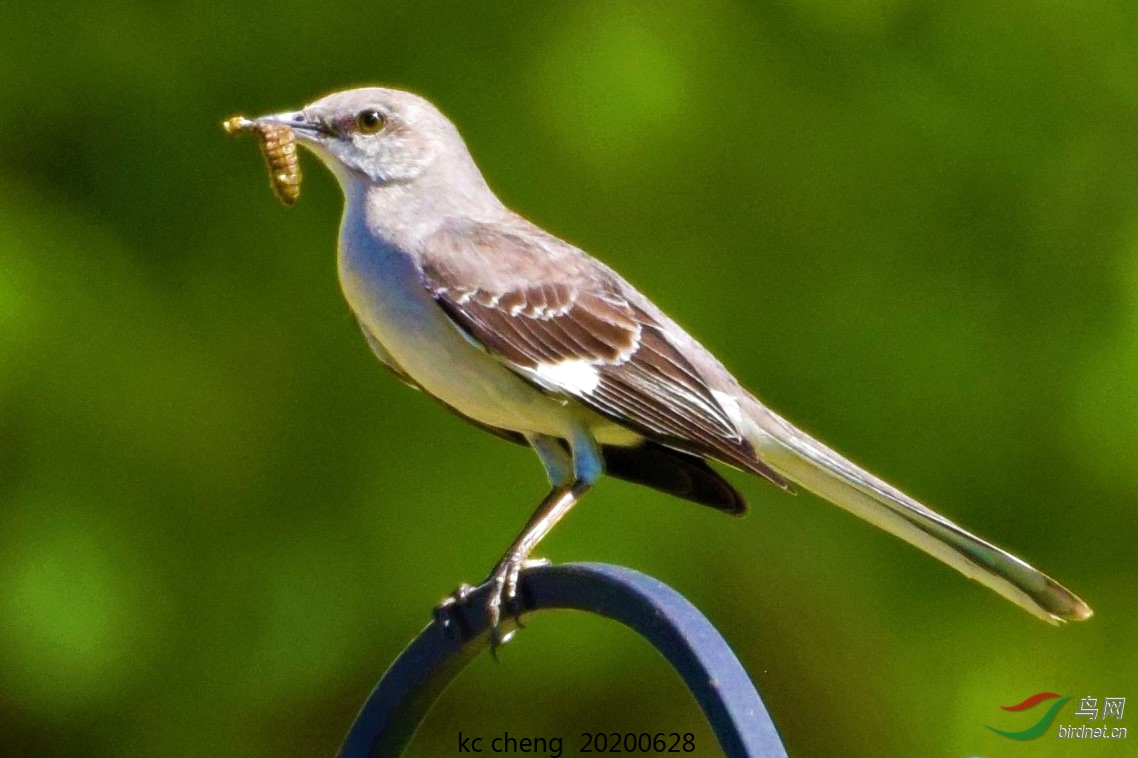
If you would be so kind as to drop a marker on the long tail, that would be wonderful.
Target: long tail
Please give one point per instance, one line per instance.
(819, 469)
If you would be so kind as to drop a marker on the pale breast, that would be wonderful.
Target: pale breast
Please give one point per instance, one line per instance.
(383, 288)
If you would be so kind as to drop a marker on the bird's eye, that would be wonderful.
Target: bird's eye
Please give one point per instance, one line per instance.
(370, 121)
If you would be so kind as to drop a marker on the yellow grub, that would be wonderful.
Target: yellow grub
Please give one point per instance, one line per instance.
(278, 145)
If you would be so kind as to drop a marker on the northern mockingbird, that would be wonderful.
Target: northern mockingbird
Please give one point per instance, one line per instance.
(533, 340)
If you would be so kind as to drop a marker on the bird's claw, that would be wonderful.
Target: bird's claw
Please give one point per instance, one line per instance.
(445, 611)
(505, 593)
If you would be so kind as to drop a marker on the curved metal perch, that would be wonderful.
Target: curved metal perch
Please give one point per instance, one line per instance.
(658, 613)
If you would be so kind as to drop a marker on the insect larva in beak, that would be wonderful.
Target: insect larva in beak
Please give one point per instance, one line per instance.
(278, 145)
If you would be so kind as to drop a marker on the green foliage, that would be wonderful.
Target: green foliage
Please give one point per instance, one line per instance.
(910, 227)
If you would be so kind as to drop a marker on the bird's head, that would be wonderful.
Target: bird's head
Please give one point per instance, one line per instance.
(378, 135)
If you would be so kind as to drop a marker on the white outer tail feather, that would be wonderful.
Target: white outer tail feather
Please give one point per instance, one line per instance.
(819, 469)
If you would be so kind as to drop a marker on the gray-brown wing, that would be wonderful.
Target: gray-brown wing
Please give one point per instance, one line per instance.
(560, 320)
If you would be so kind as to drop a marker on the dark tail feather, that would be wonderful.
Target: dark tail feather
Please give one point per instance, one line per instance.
(676, 473)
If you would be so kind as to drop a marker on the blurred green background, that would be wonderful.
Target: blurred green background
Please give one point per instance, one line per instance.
(911, 227)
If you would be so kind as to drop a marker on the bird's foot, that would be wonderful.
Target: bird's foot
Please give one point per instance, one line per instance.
(447, 611)
(504, 593)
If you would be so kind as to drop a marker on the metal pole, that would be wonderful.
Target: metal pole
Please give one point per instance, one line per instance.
(401, 699)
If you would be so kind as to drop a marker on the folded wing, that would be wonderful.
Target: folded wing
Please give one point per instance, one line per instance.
(562, 322)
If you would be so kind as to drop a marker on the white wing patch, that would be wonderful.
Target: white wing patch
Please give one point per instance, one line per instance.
(573, 377)
(730, 407)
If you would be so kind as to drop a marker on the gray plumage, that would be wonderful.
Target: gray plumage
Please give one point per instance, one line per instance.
(532, 339)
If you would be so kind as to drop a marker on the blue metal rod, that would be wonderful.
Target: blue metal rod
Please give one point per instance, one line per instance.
(401, 699)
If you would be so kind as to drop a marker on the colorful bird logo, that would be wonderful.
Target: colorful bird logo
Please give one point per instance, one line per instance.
(1040, 726)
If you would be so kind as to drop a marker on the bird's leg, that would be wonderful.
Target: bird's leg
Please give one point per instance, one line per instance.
(570, 475)
(505, 575)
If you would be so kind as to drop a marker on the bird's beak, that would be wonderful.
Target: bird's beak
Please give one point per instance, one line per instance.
(306, 127)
